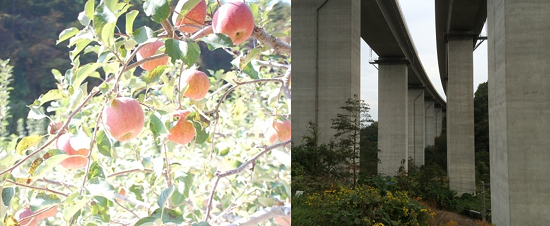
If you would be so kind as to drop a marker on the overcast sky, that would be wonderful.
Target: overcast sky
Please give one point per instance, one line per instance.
(420, 18)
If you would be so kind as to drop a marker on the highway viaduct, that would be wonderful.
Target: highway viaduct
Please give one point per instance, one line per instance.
(326, 40)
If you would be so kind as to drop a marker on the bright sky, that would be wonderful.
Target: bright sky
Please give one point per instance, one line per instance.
(420, 18)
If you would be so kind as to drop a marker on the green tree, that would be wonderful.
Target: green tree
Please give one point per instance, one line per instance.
(348, 131)
(369, 149)
(481, 125)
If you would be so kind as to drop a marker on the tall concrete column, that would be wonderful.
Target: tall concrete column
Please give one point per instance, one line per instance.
(416, 125)
(438, 120)
(429, 125)
(392, 116)
(460, 115)
(326, 59)
(519, 111)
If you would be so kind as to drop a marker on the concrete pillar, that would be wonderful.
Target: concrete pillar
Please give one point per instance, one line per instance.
(392, 116)
(416, 125)
(429, 125)
(438, 120)
(519, 111)
(326, 58)
(460, 115)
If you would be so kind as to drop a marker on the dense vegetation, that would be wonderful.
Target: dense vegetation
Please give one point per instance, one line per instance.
(316, 176)
(28, 34)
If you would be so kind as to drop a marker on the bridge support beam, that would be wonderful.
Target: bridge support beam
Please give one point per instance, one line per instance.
(519, 111)
(392, 116)
(460, 115)
(430, 122)
(416, 125)
(327, 43)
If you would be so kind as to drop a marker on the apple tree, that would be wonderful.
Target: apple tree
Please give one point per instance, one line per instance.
(157, 141)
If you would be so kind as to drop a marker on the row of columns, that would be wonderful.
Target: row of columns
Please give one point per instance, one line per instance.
(407, 120)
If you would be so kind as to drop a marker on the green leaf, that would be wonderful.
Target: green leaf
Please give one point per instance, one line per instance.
(75, 205)
(99, 187)
(103, 143)
(252, 69)
(83, 19)
(49, 164)
(83, 72)
(28, 142)
(201, 134)
(266, 202)
(202, 223)
(100, 207)
(89, 8)
(130, 17)
(217, 40)
(7, 195)
(158, 10)
(164, 196)
(53, 94)
(66, 34)
(36, 113)
(156, 126)
(168, 215)
(143, 34)
(184, 8)
(188, 51)
(104, 23)
(146, 221)
(154, 75)
(96, 171)
(44, 200)
(138, 191)
(253, 54)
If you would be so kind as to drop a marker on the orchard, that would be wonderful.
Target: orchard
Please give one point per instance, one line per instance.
(141, 135)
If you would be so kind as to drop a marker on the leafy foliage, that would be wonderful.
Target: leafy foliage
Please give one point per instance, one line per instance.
(149, 179)
(360, 205)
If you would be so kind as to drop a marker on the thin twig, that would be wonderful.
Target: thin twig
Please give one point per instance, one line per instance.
(263, 215)
(220, 175)
(167, 174)
(37, 188)
(127, 209)
(124, 172)
(202, 32)
(286, 83)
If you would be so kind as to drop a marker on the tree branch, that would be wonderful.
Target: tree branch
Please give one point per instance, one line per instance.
(263, 215)
(220, 175)
(269, 40)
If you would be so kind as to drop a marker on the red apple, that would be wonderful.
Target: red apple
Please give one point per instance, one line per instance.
(123, 118)
(194, 19)
(283, 129)
(234, 19)
(48, 213)
(197, 83)
(25, 212)
(148, 50)
(75, 148)
(278, 130)
(183, 132)
(271, 135)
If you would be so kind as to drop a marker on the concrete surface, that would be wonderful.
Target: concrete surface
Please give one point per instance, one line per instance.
(429, 127)
(326, 63)
(460, 115)
(392, 116)
(519, 111)
(416, 125)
